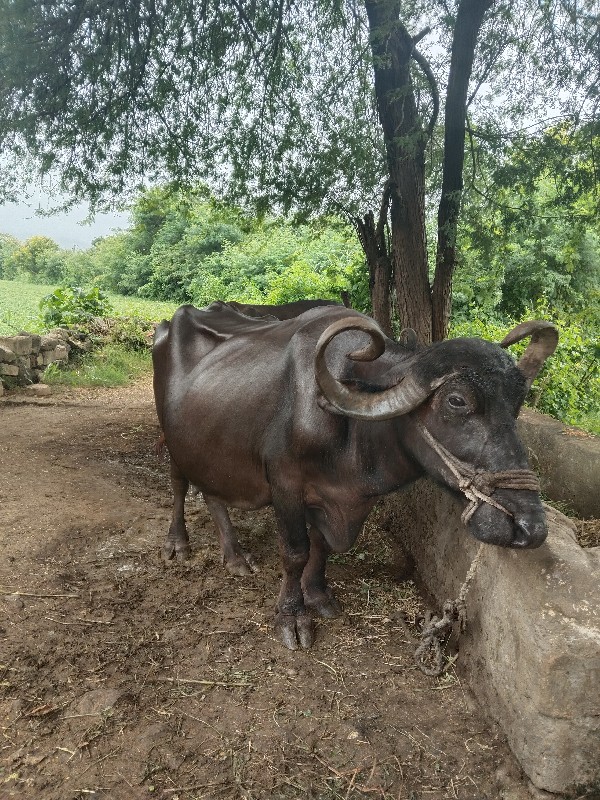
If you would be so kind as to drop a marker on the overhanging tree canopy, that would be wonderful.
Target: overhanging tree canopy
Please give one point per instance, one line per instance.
(295, 106)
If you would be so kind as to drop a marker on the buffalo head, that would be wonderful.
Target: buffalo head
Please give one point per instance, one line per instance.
(454, 406)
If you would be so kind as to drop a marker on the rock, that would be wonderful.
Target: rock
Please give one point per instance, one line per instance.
(38, 390)
(540, 794)
(97, 701)
(60, 333)
(531, 650)
(9, 369)
(82, 346)
(50, 342)
(62, 352)
(50, 356)
(514, 793)
(20, 345)
(25, 373)
(6, 354)
(35, 343)
(13, 602)
(1, 388)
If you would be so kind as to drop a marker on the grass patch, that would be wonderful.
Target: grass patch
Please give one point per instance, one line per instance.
(590, 422)
(19, 307)
(152, 310)
(113, 365)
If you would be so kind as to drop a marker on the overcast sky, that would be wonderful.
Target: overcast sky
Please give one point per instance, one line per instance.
(67, 229)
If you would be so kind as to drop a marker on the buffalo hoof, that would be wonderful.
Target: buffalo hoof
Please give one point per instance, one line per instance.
(295, 630)
(240, 563)
(179, 552)
(324, 603)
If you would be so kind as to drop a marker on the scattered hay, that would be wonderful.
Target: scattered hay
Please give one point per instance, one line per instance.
(588, 532)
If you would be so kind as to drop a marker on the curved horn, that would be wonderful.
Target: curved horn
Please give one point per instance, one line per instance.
(544, 338)
(392, 402)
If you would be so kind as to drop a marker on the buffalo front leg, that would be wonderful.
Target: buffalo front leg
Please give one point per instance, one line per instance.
(317, 594)
(178, 544)
(293, 624)
(233, 558)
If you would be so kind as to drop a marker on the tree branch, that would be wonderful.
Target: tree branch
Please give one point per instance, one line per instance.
(416, 39)
(435, 95)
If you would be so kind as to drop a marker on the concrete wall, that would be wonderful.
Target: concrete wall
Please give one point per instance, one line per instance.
(531, 651)
(567, 460)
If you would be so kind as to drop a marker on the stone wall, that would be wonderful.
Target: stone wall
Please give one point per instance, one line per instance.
(24, 358)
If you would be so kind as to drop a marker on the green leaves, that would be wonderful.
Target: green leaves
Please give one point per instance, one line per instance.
(533, 235)
(73, 306)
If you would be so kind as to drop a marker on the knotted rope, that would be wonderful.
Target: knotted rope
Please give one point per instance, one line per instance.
(477, 485)
(436, 629)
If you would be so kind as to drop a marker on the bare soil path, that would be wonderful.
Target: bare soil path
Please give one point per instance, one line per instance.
(123, 677)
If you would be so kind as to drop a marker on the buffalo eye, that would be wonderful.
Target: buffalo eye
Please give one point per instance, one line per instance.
(456, 401)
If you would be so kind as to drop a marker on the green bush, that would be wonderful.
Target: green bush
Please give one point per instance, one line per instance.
(73, 306)
(130, 332)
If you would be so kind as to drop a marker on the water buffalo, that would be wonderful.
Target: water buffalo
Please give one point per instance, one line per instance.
(284, 311)
(321, 414)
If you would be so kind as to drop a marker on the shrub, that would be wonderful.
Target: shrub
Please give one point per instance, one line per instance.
(73, 306)
(133, 333)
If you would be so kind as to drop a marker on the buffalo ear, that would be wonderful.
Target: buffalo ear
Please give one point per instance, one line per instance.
(408, 339)
(544, 338)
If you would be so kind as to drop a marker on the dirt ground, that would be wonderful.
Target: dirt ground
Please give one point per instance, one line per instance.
(123, 677)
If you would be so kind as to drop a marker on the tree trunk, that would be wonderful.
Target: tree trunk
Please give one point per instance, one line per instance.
(374, 245)
(405, 139)
(466, 30)
(424, 308)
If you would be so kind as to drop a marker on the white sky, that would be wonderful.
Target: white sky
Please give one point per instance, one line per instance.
(68, 229)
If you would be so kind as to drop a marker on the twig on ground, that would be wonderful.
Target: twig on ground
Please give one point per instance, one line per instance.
(208, 725)
(33, 594)
(194, 787)
(80, 621)
(226, 684)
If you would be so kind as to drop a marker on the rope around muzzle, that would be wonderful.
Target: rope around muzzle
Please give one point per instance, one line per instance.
(477, 486)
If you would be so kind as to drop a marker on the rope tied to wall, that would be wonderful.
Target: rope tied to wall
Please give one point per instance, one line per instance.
(436, 629)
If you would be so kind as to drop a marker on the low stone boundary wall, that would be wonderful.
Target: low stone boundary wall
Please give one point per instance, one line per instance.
(23, 358)
(531, 651)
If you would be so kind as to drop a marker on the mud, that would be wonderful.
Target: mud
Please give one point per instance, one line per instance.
(124, 677)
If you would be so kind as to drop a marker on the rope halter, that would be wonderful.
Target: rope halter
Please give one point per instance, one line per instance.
(477, 484)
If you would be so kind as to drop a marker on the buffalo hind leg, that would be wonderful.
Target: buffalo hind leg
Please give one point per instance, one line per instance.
(317, 594)
(178, 544)
(293, 624)
(234, 559)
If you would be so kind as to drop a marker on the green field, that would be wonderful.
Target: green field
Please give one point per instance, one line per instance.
(19, 307)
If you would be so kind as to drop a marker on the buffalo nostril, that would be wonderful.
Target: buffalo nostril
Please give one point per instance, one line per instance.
(529, 532)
